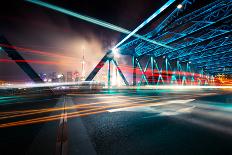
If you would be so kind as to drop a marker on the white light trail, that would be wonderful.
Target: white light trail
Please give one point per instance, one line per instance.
(40, 85)
(79, 83)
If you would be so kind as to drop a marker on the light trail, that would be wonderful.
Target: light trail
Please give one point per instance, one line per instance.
(125, 105)
(31, 61)
(41, 62)
(146, 105)
(186, 87)
(28, 50)
(162, 111)
(89, 105)
(130, 101)
(106, 24)
(103, 107)
(40, 85)
(47, 119)
(57, 117)
(58, 108)
(80, 113)
(46, 110)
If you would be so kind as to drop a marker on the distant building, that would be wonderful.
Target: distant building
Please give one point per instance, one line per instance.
(60, 78)
(69, 77)
(75, 76)
(43, 76)
(54, 77)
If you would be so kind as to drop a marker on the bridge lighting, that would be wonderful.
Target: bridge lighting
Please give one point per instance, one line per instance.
(179, 6)
(115, 52)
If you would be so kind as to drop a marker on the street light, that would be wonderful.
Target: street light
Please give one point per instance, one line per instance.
(179, 6)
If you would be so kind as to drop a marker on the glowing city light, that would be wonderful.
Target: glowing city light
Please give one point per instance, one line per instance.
(60, 76)
(115, 52)
(179, 6)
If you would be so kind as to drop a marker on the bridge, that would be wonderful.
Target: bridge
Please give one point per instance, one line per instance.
(189, 44)
(175, 94)
(199, 39)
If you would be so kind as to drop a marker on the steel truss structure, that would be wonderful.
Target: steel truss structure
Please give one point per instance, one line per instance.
(200, 38)
(167, 72)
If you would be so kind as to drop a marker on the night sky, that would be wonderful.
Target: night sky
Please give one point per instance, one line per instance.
(61, 38)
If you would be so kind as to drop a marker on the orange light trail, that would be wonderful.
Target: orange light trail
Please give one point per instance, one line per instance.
(94, 110)
(57, 117)
(46, 110)
(76, 114)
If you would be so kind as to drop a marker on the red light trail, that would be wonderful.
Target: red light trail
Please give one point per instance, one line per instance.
(39, 52)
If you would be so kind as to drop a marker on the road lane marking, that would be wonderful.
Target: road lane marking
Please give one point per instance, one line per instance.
(137, 107)
(62, 136)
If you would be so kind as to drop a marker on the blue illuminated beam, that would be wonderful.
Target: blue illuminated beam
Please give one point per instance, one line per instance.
(106, 24)
(155, 14)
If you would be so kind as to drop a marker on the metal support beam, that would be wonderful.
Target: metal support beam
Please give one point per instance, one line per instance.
(134, 70)
(120, 72)
(145, 70)
(20, 61)
(155, 14)
(141, 69)
(109, 82)
(166, 67)
(152, 70)
(108, 57)
(98, 67)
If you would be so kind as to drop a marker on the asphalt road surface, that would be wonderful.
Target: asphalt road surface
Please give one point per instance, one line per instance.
(129, 122)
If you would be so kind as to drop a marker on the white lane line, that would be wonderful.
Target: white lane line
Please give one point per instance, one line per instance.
(141, 107)
(62, 137)
(181, 101)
